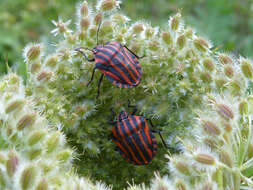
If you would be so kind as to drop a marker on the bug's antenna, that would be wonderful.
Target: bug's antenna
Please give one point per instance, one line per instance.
(99, 25)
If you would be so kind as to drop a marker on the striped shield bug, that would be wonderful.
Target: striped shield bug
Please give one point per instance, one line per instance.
(118, 63)
(134, 139)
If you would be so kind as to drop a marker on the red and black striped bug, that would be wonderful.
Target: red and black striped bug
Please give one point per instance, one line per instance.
(118, 63)
(134, 139)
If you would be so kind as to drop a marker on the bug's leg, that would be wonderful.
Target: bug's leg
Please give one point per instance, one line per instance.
(110, 121)
(79, 50)
(132, 106)
(99, 84)
(157, 131)
(92, 76)
(134, 53)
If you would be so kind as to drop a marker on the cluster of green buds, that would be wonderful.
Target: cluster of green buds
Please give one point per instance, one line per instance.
(33, 154)
(179, 69)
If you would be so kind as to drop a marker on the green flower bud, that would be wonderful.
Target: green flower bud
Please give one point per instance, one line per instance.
(33, 52)
(209, 64)
(201, 44)
(36, 136)
(211, 128)
(35, 67)
(43, 185)
(64, 155)
(181, 41)
(107, 5)
(98, 18)
(225, 59)
(175, 21)
(205, 159)
(180, 186)
(52, 142)
(243, 108)
(225, 158)
(2, 179)
(27, 178)
(138, 28)
(52, 61)
(182, 167)
(246, 68)
(44, 76)
(34, 153)
(153, 45)
(206, 77)
(228, 127)
(84, 10)
(167, 37)
(225, 112)
(12, 163)
(15, 105)
(107, 27)
(229, 71)
(26, 121)
(85, 23)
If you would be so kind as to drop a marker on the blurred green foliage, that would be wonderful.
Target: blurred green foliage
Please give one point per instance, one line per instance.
(225, 22)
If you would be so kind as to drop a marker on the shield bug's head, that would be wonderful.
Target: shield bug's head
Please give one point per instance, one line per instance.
(122, 116)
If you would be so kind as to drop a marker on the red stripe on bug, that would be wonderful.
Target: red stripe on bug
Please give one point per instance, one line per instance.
(124, 65)
(133, 141)
(129, 148)
(108, 73)
(146, 131)
(118, 69)
(140, 136)
(130, 58)
(121, 147)
(131, 61)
